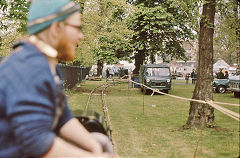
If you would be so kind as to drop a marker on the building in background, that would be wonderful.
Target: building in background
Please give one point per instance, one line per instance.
(183, 67)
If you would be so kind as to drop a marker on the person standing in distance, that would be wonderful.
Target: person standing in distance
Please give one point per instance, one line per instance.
(220, 74)
(226, 75)
(35, 120)
(193, 76)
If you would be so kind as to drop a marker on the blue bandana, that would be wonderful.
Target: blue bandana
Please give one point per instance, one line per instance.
(43, 13)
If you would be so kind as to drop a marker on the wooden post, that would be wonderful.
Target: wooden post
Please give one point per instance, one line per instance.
(143, 104)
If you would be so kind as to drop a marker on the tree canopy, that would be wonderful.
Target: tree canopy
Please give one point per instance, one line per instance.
(115, 30)
(159, 27)
(227, 31)
(106, 31)
(13, 22)
(15, 11)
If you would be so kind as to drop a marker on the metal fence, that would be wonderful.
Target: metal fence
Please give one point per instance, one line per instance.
(73, 74)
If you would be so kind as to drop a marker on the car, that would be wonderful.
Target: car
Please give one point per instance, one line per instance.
(176, 75)
(234, 85)
(155, 76)
(220, 85)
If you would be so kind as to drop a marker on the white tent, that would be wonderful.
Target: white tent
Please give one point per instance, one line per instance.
(220, 64)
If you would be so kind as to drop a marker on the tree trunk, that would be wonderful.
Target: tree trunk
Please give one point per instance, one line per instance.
(199, 113)
(152, 58)
(139, 59)
(99, 67)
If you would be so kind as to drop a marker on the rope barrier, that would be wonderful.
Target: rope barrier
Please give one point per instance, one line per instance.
(226, 103)
(225, 111)
(105, 110)
(230, 113)
(107, 117)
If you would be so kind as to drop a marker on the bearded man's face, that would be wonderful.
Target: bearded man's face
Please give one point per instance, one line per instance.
(66, 50)
(69, 37)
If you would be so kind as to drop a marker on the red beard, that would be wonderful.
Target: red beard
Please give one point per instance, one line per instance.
(66, 50)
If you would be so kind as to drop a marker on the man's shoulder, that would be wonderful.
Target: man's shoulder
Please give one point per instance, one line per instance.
(26, 62)
(27, 50)
(25, 55)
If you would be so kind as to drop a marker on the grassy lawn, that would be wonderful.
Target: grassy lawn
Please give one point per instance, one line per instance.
(155, 130)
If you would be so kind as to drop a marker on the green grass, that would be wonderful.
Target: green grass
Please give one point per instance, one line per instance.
(155, 132)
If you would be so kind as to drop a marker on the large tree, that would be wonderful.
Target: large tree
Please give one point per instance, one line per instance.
(160, 28)
(227, 29)
(114, 34)
(107, 35)
(199, 113)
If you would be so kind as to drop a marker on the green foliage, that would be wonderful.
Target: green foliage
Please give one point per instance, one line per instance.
(106, 34)
(114, 34)
(18, 11)
(227, 31)
(7, 42)
(12, 23)
(3, 7)
(160, 28)
(81, 3)
(191, 9)
(14, 11)
(114, 43)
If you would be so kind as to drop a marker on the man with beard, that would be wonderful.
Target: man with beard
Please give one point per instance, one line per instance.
(35, 120)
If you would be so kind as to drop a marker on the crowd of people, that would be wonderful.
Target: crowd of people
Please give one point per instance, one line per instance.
(193, 75)
(221, 75)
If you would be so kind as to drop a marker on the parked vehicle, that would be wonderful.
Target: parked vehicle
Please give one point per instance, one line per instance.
(220, 85)
(234, 85)
(176, 75)
(155, 76)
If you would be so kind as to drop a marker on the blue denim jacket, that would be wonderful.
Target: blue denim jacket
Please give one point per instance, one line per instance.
(27, 104)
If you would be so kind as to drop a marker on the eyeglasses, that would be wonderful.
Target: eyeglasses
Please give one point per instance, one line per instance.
(79, 27)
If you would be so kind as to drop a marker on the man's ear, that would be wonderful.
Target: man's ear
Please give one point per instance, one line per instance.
(55, 29)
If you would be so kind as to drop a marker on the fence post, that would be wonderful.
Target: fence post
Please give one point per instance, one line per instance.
(143, 104)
